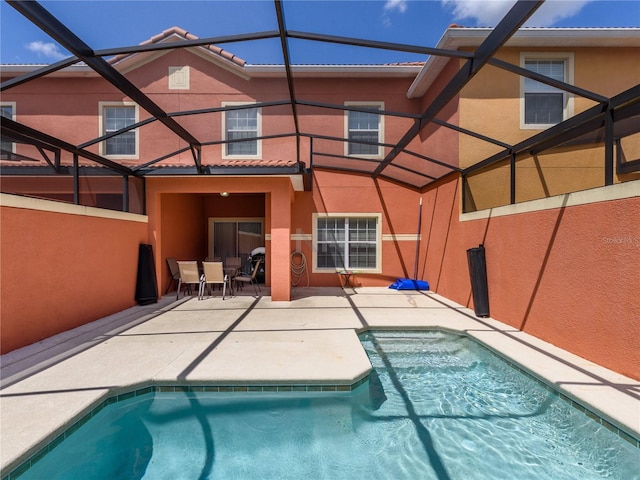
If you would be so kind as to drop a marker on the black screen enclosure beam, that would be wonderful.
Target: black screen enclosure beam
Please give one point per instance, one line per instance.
(39, 16)
(508, 26)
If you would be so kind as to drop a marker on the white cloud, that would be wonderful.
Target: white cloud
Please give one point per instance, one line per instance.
(48, 50)
(487, 13)
(553, 11)
(399, 5)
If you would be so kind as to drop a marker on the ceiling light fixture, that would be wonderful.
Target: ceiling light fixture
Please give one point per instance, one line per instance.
(224, 194)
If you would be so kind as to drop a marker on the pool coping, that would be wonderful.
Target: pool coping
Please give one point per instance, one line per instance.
(547, 364)
(192, 388)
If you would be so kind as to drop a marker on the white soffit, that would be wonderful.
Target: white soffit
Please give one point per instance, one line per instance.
(335, 71)
(458, 37)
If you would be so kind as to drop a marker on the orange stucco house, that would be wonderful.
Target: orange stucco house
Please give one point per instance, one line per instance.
(387, 170)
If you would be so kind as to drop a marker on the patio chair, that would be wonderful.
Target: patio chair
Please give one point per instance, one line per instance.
(174, 271)
(214, 275)
(233, 266)
(244, 278)
(189, 275)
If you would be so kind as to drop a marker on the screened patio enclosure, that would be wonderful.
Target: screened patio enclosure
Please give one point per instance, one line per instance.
(68, 168)
(315, 132)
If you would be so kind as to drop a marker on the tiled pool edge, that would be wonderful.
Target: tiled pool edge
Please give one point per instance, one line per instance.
(146, 388)
(138, 390)
(582, 405)
(548, 385)
(566, 397)
(120, 393)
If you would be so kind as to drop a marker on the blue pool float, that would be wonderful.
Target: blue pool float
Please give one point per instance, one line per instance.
(409, 284)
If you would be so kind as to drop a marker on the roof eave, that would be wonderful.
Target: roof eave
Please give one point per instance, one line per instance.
(543, 36)
(249, 71)
(294, 173)
(127, 63)
(334, 71)
(80, 70)
(455, 38)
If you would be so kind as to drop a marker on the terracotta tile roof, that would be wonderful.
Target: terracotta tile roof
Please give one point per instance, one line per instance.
(236, 163)
(22, 162)
(407, 64)
(255, 163)
(239, 164)
(181, 32)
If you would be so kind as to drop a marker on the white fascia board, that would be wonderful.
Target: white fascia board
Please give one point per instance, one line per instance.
(334, 71)
(551, 37)
(427, 76)
(455, 38)
(79, 70)
(137, 60)
(128, 63)
(248, 71)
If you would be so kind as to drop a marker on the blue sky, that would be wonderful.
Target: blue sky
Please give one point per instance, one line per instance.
(103, 24)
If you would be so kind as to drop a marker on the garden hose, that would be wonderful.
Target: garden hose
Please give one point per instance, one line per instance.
(298, 268)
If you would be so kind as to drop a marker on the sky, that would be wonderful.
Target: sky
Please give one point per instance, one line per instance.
(103, 24)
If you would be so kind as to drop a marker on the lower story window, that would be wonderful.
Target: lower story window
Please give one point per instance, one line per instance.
(347, 243)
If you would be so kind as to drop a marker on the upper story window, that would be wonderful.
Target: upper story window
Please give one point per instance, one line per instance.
(347, 242)
(542, 104)
(241, 124)
(364, 127)
(7, 110)
(116, 116)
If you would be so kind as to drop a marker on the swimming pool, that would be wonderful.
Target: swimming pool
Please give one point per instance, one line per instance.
(437, 406)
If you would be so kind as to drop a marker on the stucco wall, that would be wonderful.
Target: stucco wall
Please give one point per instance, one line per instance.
(491, 105)
(179, 208)
(566, 274)
(63, 268)
(186, 232)
(353, 194)
(69, 108)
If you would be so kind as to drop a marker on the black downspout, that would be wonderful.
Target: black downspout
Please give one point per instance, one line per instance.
(76, 180)
(125, 193)
(608, 146)
(513, 178)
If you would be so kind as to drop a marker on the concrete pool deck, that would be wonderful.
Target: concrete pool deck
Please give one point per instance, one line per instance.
(244, 341)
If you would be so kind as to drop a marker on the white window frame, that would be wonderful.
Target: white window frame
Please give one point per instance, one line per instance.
(567, 111)
(377, 216)
(101, 128)
(258, 154)
(377, 105)
(13, 117)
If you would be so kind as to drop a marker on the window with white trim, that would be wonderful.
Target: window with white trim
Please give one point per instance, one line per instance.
(542, 104)
(347, 242)
(116, 116)
(244, 123)
(364, 127)
(7, 110)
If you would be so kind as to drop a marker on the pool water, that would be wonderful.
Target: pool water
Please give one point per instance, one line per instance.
(437, 406)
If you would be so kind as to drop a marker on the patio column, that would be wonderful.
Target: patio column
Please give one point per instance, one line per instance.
(279, 262)
(153, 209)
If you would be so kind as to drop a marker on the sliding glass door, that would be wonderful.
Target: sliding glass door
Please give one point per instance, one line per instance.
(235, 237)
